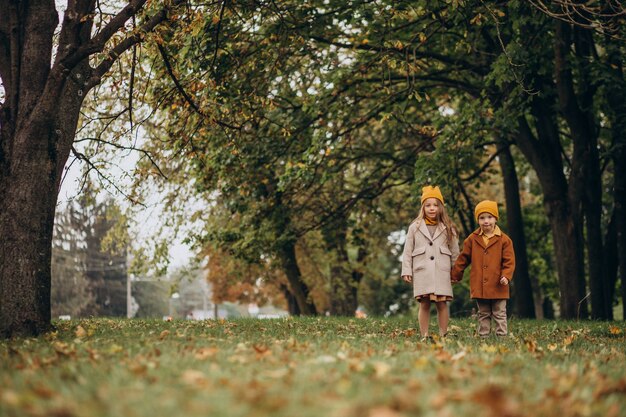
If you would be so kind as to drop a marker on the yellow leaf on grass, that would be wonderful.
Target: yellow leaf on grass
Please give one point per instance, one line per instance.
(381, 368)
(383, 411)
(205, 353)
(421, 362)
(114, 348)
(489, 348)
(164, 334)
(552, 347)
(80, 332)
(195, 378)
(615, 330)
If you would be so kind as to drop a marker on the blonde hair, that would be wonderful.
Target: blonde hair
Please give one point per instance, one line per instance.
(442, 217)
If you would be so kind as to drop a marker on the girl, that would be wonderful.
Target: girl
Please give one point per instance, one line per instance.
(430, 250)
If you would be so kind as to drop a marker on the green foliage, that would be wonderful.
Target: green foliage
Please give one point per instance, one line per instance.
(312, 367)
(296, 116)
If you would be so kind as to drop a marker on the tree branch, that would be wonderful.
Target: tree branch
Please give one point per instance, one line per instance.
(127, 43)
(97, 43)
(106, 179)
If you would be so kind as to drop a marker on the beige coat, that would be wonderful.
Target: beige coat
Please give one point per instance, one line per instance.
(429, 259)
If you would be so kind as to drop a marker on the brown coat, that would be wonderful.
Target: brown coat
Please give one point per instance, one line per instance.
(488, 265)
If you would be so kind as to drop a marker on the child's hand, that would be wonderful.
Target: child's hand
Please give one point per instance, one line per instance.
(504, 281)
(407, 278)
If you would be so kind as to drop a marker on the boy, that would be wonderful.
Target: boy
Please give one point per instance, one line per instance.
(490, 253)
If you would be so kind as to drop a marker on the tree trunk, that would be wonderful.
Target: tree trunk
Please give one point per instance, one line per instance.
(524, 305)
(27, 205)
(292, 304)
(585, 179)
(611, 263)
(615, 89)
(298, 288)
(38, 119)
(544, 155)
(343, 290)
(619, 197)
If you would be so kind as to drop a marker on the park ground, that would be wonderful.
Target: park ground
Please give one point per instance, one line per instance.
(371, 367)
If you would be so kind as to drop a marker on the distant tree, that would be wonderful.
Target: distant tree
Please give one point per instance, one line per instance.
(89, 272)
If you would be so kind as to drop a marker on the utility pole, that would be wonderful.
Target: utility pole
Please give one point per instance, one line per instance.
(129, 304)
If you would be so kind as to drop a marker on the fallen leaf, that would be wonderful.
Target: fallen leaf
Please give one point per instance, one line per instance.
(194, 378)
(43, 392)
(80, 332)
(383, 411)
(205, 353)
(496, 400)
(381, 368)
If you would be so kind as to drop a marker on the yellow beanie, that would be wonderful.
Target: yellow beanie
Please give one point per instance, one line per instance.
(431, 192)
(486, 206)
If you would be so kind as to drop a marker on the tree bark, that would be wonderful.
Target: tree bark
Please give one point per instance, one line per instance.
(292, 304)
(298, 288)
(524, 304)
(545, 157)
(611, 263)
(38, 121)
(585, 178)
(343, 290)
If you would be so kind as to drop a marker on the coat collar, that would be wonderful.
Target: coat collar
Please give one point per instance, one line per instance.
(424, 230)
(479, 238)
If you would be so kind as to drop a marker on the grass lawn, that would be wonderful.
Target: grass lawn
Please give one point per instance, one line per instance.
(313, 367)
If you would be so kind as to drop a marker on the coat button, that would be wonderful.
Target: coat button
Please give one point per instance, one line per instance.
(431, 243)
(432, 257)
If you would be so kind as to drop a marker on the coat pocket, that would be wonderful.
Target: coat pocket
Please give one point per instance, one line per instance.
(445, 263)
(418, 258)
(419, 251)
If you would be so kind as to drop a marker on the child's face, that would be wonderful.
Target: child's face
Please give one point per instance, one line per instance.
(431, 208)
(487, 222)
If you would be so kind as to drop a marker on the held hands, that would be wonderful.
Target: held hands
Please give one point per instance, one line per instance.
(407, 278)
(504, 281)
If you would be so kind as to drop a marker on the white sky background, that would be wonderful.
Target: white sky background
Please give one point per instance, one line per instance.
(146, 221)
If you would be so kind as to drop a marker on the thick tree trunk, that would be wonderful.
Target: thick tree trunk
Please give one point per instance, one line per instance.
(38, 120)
(585, 179)
(615, 89)
(28, 197)
(292, 304)
(524, 304)
(298, 288)
(544, 155)
(27, 205)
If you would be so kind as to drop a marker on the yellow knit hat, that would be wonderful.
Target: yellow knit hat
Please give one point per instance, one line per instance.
(486, 206)
(431, 192)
